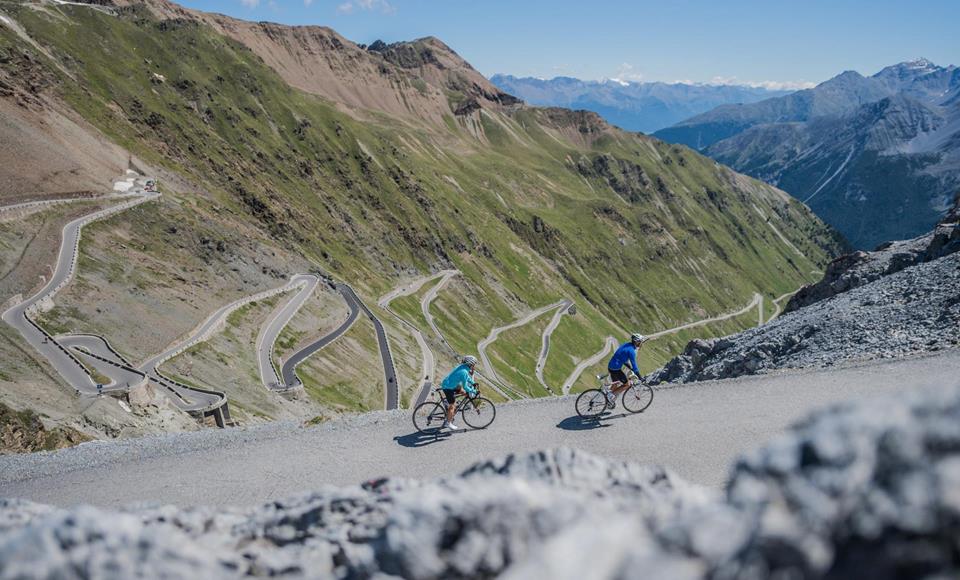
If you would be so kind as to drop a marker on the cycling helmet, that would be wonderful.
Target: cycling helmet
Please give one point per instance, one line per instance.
(470, 361)
(637, 337)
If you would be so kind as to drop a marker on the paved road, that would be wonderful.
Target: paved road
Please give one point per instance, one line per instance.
(545, 342)
(97, 353)
(428, 298)
(495, 333)
(778, 300)
(391, 397)
(288, 371)
(46, 203)
(429, 362)
(608, 346)
(755, 302)
(202, 399)
(66, 353)
(267, 337)
(64, 361)
(697, 430)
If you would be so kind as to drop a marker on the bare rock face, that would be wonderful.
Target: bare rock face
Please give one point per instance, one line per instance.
(859, 268)
(867, 490)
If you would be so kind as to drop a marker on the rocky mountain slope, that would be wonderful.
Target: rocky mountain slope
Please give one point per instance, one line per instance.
(877, 157)
(634, 106)
(902, 299)
(283, 150)
(862, 489)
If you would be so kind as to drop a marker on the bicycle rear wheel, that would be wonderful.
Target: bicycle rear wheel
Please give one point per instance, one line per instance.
(637, 398)
(478, 413)
(591, 403)
(428, 417)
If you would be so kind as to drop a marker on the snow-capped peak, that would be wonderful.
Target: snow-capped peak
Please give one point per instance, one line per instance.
(921, 63)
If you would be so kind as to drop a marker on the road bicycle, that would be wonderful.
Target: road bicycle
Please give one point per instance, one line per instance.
(477, 412)
(593, 402)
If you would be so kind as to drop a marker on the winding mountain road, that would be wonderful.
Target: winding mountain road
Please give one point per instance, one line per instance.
(428, 299)
(271, 329)
(564, 308)
(74, 355)
(495, 333)
(19, 315)
(697, 430)
(205, 399)
(608, 346)
(391, 399)
(755, 302)
(96, 352)
(778, 300)
(429, 362)
(288, 370)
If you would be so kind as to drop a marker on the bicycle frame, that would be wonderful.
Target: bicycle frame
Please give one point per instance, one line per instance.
(632, 381)
(458, 401)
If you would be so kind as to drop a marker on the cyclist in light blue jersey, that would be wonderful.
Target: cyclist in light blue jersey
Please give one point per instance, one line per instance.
(459, 380)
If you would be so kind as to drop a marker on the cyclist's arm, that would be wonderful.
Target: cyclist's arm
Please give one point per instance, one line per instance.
(633, 362)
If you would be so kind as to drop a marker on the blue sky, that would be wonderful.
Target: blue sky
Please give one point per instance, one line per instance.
(757, 41)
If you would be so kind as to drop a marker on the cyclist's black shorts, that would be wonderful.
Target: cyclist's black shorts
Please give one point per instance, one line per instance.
(451, 395)
(618, 375)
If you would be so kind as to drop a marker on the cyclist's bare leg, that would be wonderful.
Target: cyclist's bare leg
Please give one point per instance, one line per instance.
(452, 408)
(617, 386)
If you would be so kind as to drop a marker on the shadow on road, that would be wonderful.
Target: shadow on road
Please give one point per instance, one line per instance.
(417, 439)
(578, 423)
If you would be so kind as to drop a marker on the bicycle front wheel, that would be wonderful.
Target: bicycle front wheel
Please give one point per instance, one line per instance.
(428, 417)
(591, 403)
(478, 413)
(637, 398)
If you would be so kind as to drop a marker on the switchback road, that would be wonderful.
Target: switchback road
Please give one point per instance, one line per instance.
(288, 371)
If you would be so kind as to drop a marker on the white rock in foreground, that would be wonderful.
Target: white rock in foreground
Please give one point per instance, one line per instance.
(869, 490)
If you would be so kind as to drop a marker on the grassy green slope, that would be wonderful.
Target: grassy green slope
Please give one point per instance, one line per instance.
(545, 205)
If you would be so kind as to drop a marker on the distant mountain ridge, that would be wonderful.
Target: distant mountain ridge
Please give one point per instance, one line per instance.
(635, 106)
(877, 157)
(919, 79)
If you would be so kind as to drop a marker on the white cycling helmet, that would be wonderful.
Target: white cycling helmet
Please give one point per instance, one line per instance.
(637, 337)
(470, 361)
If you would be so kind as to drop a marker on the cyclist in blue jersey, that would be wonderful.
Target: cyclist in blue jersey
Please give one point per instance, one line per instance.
(626, 355)
(459, 380)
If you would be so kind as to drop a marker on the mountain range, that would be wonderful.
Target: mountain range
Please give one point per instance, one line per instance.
(877, 157)
(285, 150)
(634, 106)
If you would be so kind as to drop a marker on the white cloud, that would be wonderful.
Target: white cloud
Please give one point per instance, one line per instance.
(769, 85)
(250, 3)
(307, 2)
(351, 6)
(626, 74)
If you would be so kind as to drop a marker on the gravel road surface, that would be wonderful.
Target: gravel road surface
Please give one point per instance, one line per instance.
(695, 429)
